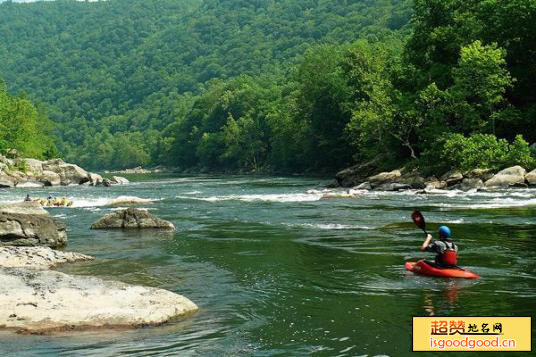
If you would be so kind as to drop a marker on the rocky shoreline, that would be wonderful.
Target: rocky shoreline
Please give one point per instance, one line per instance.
(37, 300)
(358, 178)
(32, 173)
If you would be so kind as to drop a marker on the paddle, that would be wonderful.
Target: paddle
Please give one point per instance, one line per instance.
(419, 221)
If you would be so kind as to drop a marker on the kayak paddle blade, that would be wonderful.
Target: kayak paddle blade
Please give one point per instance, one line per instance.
(418, 219)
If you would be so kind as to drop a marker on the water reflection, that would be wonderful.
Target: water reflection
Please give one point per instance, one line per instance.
(444, 301)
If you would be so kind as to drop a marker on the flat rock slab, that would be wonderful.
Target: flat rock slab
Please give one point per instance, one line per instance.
(46, 301)
(132, 218)
(37, 257)
(31, 207)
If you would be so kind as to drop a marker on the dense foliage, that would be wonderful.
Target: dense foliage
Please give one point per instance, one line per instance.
(122, 71)
(280, 85)
(23, 127)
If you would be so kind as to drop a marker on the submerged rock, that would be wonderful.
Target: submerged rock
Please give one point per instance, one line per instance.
(46, 301)
(20, 226)
(131, 218)
(37, 257)
(513, 176)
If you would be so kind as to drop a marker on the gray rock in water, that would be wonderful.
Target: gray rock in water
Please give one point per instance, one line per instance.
(512, 176)
(25, 224)
(45, 301)
(131, 218)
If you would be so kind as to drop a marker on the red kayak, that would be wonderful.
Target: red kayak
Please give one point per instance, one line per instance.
(425, 269)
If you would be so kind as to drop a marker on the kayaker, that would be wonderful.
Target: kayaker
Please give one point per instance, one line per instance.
(446, 251)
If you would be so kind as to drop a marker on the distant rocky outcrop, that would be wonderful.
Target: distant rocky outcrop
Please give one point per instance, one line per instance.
(402, 179)
(132, 218)
(24, 172)
(28, 224)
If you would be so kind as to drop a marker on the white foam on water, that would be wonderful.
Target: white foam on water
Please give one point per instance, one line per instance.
(107, 201)
(90, 202)
(329, 226)
(289, 197)
(192, 193)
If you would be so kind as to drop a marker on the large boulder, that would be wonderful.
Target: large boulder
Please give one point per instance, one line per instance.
(70, 174)
(385, 177)
(531, 178)
(512, 176)
(37, 257)
(20, 226)
(49, 178)
(131, 218)
(42, 301)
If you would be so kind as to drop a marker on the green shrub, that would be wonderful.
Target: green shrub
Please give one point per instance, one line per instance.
(487, 152)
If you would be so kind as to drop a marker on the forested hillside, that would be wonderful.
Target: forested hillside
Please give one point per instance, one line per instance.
(127, 68)
(280, 85)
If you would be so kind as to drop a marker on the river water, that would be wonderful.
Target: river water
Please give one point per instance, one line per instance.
(276, 270)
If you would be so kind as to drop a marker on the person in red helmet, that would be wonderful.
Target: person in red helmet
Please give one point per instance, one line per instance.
(446, 251)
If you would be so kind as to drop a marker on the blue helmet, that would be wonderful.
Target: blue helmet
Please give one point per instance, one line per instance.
(444, 232)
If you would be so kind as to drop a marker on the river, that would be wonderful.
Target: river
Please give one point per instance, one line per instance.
(279, 271)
